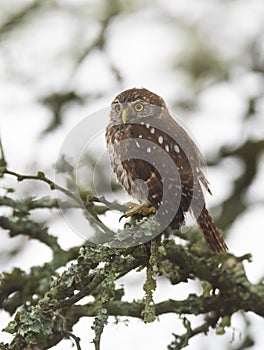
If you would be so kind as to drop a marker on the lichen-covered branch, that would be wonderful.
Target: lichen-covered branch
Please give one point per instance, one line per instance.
(47, 300)
(85, 277)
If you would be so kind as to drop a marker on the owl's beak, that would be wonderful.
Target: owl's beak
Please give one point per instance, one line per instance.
(124, 115)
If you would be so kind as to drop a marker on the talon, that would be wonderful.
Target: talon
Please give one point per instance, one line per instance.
(122, 217)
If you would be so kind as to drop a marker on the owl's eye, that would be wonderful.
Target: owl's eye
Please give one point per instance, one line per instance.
(117, 108)
(139, 107)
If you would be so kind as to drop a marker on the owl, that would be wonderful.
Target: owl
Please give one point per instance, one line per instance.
(158, 163)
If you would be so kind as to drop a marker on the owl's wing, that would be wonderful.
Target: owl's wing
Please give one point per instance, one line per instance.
(180, 137)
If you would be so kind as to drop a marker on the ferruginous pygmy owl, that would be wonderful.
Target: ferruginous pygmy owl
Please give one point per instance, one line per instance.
(158, 163)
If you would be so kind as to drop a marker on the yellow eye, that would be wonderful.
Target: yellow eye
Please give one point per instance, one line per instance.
(139, 107)
(117, 107)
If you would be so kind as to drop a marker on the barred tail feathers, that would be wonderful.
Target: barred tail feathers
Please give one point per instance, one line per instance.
(212, 235)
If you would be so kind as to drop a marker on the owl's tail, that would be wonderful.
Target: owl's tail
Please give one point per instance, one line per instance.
(212, 235)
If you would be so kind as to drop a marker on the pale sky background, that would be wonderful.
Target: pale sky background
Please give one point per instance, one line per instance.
(35, 61)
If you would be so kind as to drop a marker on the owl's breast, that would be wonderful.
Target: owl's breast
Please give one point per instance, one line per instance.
(117, 139)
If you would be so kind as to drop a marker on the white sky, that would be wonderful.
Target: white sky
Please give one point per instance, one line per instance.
(37, 60)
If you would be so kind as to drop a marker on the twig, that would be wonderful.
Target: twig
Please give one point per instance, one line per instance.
(41, 177)
(110, 205)
(75, 338)
(181, 341)
(92, 216)
(68, 333)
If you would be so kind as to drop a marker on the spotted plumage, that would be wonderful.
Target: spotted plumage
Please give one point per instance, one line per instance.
(157, 163)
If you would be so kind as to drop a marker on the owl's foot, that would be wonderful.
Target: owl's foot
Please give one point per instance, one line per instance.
(137, 209)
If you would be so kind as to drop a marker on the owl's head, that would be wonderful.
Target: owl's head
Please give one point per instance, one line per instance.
(134, 104)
